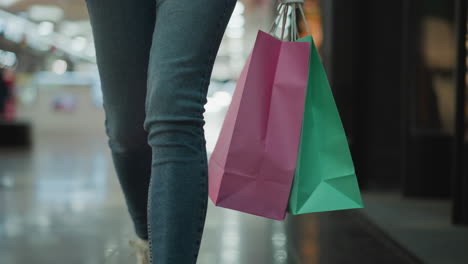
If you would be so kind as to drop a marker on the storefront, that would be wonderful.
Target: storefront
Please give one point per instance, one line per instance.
(393, 69)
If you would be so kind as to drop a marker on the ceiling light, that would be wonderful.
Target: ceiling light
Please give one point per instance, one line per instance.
(236, 22)
(45, 28)
(74, 28)
(7, 3)
(45, 12)
(91, 50)
(59, 66)
(79, 43)
(239, 9)
(235, 33)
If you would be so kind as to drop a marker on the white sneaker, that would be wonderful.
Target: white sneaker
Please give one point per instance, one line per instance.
(142, 250)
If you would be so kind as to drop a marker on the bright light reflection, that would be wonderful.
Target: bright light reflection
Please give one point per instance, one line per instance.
(70, 28)
(235, 28)
(211, 106)
(59, 66)
(230, 239)
(281, 256)
(14, 29)
(218, 101)
(236, 22)
(79, 43)
(45, 12)
(7, 180)
(91, 51)
(238, 9)
(229, 256)
(7, 2)
(222, 98)
(279, 241)
(45, 28)
(235, 33)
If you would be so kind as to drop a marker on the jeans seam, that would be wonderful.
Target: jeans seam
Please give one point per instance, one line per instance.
(148, 210)
(203, 205)
(204, 81)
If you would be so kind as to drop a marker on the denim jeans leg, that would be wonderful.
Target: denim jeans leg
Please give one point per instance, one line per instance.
(122, 32)
(185, 43)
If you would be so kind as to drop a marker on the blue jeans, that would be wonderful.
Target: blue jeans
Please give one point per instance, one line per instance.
(155, 59)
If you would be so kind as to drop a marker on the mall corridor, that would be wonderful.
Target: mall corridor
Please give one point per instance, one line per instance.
(396, 71)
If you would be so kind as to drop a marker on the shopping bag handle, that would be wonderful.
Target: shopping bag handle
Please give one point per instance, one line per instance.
(282, 12)
(292, 1)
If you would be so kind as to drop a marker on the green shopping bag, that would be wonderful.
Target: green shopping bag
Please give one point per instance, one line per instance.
(324, 179)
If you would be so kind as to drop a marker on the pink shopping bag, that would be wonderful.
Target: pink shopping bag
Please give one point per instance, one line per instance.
(252, 166)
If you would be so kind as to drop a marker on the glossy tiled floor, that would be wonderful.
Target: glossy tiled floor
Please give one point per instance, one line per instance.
(60, 203)
(421, 225)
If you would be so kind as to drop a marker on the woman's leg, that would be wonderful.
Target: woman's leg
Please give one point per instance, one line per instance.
(122, 33)
(186, 39)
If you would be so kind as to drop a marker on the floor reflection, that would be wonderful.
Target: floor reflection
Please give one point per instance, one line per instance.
(61, 203)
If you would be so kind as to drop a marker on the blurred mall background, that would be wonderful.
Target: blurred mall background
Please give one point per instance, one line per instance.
(398, 72)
